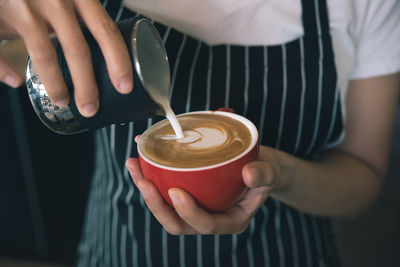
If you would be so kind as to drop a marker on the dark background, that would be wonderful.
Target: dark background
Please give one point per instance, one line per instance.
(61, 168)
(59, 178)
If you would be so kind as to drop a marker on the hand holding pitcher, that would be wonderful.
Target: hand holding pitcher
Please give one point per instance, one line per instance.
(33, 20)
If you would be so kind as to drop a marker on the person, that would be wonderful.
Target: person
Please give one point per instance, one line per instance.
(320, 81)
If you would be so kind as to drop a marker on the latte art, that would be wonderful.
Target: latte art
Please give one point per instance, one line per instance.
(208, 139)
(200, 138)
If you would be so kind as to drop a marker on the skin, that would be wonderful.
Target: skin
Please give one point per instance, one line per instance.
(343, 182)
(33, 20)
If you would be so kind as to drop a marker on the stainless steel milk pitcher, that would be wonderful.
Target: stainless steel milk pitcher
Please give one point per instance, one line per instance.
(151, 75)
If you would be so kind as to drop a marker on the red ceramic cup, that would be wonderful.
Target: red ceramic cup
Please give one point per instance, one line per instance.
(216, 188)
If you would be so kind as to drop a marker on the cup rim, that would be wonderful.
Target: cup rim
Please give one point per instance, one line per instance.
(252, 128)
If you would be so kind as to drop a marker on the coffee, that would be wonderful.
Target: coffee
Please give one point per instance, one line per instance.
(209, 139)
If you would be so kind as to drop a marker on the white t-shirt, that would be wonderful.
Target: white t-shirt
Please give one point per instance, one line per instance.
(365, 33)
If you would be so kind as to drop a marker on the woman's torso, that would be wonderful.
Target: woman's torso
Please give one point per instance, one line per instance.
(291, 93)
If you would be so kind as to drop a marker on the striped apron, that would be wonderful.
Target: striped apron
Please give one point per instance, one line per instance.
(288, 91)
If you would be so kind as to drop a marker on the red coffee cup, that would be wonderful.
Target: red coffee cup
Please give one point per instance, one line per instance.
(216, 188)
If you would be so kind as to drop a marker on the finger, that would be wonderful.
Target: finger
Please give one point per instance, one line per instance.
(110, 41)
(134, 169)
(250, 202)
(8, 74)
(137, 138)
(203, 221)
(256, 174)
(161, 210)
(77, 54)
(168, 218)
(43, 55)
(245, 209)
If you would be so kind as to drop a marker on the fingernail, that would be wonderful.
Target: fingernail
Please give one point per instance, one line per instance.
(89, 110)
(256, 176)
(145, 192)
(125, 85)
(12, 81)
(174, 197)
(128, 165)
(63, 102)
(137, 138)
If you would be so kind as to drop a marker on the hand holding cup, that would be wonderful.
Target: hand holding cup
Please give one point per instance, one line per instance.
(187, 217)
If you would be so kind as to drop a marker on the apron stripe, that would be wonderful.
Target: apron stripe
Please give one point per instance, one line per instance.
(176, 66)
(216, 251)
(166, 34)
(96, 240)
(306, 238)
(100, 199)
(303, 92)
(320, 77)
(284, 94)
(317, 236)
(333, 119)
(123, 246)
(278, 232)
(147, 233)
(234, 250)
(264, 240)
(165, 247)
(228, 76)
(190, 85)
(249, 244)
(128, 154)
(265, 94)
(149, 122)
(110, 212)
(133, 238)
(292, 230)
(85, 248)
(199, 250)
(182, 250)
(105, 185)
(209, 75)
(246, 79)
(115, 197)
(131, 192)
(119, 14)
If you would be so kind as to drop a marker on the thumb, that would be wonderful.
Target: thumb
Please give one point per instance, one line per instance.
(258, 174)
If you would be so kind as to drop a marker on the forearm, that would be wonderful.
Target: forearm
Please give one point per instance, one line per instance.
(346, 180)
(338, 184)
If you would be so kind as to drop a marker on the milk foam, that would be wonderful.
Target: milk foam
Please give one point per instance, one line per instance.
(199, 138)
(210, 138)
(189, 137)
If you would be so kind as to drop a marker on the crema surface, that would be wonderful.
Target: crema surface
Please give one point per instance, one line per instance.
(209, 139)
